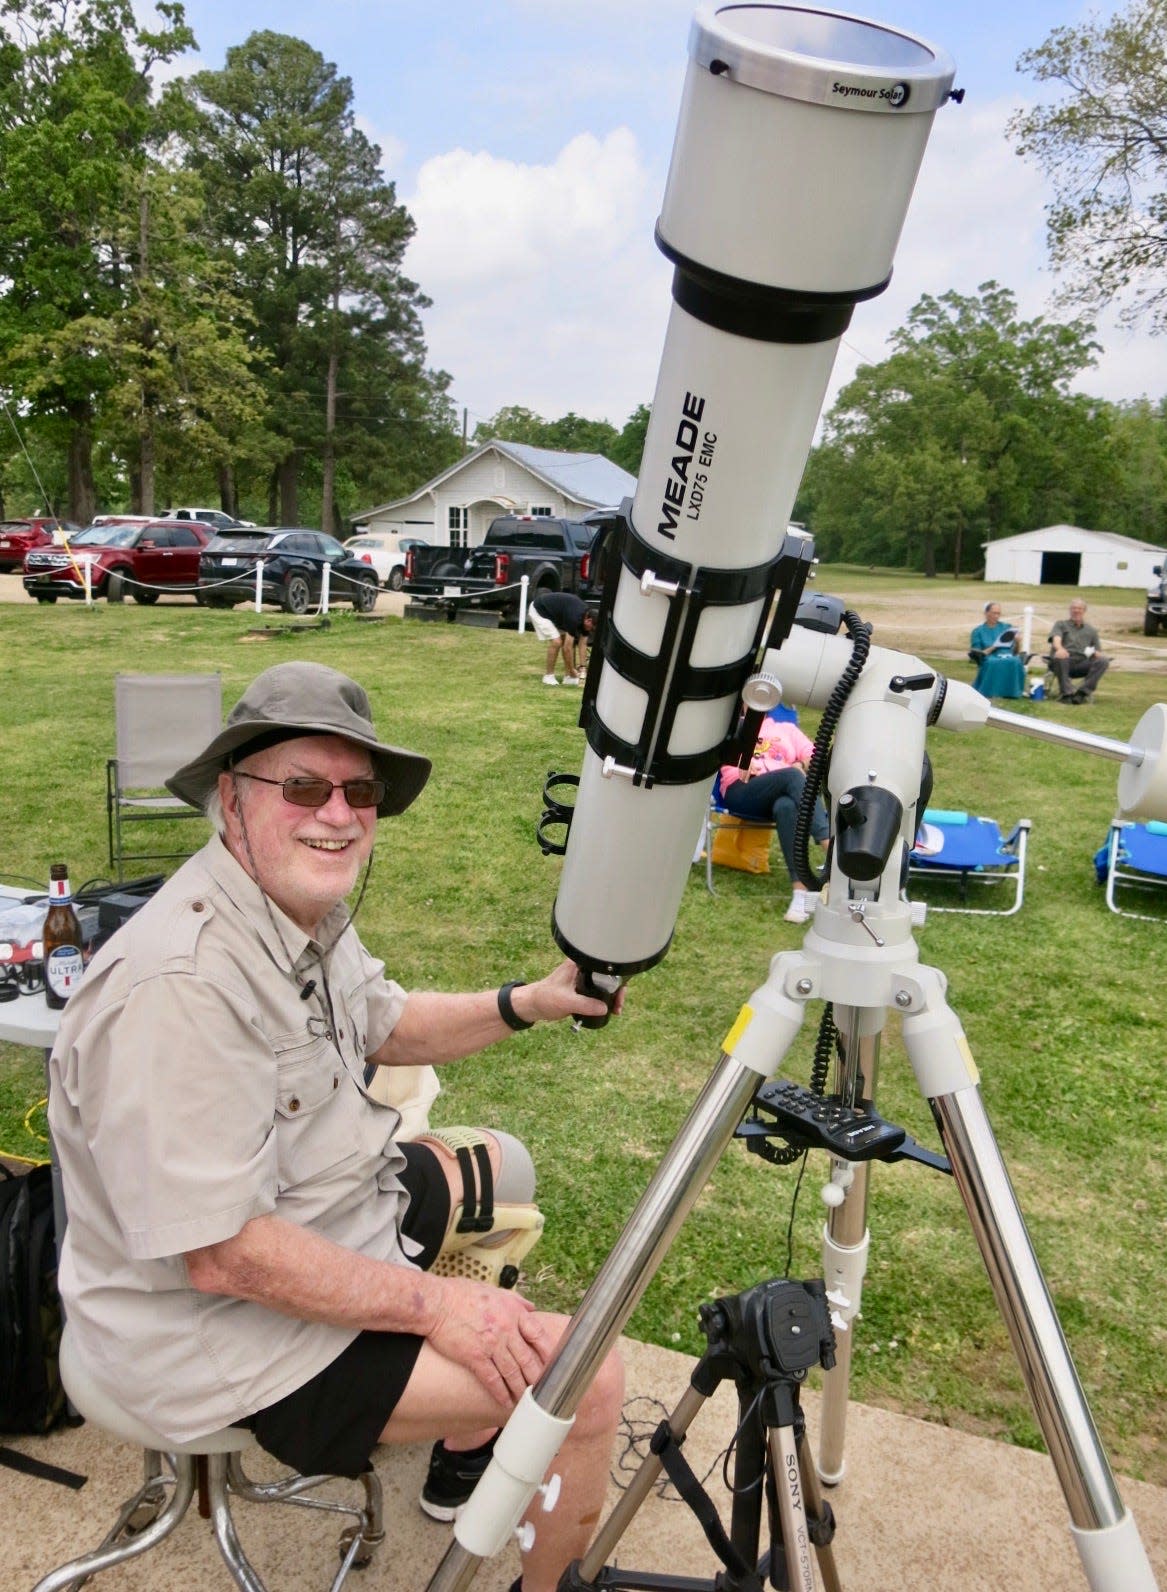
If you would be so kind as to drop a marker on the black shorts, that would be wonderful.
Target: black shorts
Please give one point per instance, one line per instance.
(330, 1426)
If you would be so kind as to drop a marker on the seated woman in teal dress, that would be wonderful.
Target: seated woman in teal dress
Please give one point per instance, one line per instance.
(995, 648)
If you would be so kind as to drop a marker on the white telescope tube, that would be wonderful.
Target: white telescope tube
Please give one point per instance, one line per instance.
(800, 137)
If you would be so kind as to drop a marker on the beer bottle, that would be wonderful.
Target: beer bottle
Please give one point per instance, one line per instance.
(62, 940)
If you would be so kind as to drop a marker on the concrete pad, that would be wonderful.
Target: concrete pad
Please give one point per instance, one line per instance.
(920, 1506)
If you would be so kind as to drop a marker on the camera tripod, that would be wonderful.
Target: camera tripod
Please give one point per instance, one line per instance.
(860, 955)
(766, 1339)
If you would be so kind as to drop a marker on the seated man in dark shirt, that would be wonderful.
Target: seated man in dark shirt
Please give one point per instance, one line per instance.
(1076, 654)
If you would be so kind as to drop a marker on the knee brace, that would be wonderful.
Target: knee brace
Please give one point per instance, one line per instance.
(496, 1223)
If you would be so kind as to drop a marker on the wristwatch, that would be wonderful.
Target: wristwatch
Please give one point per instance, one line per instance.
(507, 1011)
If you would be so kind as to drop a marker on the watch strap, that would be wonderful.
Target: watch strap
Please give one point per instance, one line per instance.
(506, 1008)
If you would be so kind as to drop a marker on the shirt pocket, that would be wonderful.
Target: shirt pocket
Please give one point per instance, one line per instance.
(315, 1130)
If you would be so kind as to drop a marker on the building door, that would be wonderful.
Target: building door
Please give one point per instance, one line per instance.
(1061, 569)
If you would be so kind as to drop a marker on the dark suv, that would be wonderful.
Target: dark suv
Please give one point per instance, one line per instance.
(293, 560)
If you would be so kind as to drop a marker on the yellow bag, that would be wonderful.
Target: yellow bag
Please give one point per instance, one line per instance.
(740, 844)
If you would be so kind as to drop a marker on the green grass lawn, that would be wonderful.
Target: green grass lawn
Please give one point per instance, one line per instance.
(1060, 1004)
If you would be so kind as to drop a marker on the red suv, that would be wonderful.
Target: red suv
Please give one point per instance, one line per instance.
(142, 561)
(18, 537)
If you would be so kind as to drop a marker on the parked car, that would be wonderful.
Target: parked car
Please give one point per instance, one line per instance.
(385, 553)
(552, 552)
(141, 560)
(215, 518)
(293, 566)
(18, 537)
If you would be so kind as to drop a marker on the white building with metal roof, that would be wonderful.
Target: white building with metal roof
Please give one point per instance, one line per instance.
(1067, 555)
(457, 506)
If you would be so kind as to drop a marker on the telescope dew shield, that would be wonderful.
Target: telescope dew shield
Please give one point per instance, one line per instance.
(800, 136)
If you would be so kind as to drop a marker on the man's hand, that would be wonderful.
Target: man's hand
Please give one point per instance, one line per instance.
(494, 1333)
(434, 1028)
(556, 996)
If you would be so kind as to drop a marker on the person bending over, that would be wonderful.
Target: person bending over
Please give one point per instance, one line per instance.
(564, 622)
(770, 792)
(247, 1237)
(1076, 654)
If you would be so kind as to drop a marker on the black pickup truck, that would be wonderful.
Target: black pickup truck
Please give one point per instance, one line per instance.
(554, 554)
(1155, 613)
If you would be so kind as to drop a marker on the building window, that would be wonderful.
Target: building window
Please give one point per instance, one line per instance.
(542, 510)
(458, 524)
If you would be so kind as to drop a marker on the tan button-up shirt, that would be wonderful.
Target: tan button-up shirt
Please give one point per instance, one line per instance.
(191, 1090)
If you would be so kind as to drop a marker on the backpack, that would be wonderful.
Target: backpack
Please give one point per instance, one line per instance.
(31, 1396)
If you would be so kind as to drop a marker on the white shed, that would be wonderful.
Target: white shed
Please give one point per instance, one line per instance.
(1066, 555)
(456, 507)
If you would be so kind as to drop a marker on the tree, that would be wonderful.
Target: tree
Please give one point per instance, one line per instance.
(187, 380)
(966, 432)
(512, 423)
(76, 121)
(629, 448)
(1104, 145)
(572, 433)
(1138, 438)
(315, 237)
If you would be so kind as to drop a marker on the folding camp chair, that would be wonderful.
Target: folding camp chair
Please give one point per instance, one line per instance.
(162, 721)
(744, 835)
(1134, 857)
(746, 840)
(957, 846)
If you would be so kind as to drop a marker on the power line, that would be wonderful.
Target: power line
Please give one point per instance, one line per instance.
(27, 455)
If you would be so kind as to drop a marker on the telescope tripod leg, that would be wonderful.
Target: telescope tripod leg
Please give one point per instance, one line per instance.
(764, 1032)
(1104, 1531)
(846, 1240)
(846, 1237)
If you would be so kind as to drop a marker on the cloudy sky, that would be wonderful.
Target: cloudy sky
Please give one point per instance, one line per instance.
(530, 140)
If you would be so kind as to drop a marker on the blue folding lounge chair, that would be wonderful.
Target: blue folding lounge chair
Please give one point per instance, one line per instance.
(957, 846)
(1134, 857)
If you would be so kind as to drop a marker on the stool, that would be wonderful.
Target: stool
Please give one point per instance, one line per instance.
(211, 1465)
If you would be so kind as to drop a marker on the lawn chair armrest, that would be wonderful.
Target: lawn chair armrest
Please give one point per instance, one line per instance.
(1022, 826)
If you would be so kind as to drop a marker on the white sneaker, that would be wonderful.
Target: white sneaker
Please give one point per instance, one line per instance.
(571, 679)
(798, 911)
(549, 679)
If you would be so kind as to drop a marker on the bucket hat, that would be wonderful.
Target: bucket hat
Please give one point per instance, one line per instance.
(302, 699)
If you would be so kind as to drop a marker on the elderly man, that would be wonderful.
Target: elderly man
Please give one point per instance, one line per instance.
(1075, 654)
(246, 1233)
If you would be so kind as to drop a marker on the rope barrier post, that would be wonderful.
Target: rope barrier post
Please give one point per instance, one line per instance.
(325, 579)
(1027, 629)
(87, 574)
(523, 585)
(259, 586)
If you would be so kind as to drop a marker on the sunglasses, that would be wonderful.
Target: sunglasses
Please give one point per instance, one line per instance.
(302, 791)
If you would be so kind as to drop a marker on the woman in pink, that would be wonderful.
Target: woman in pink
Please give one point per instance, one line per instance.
(770, 790)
